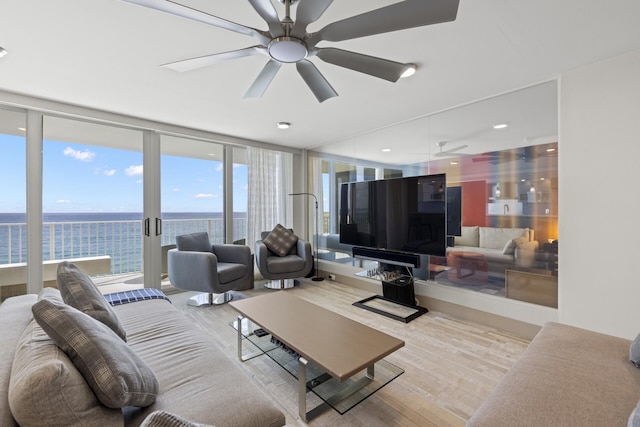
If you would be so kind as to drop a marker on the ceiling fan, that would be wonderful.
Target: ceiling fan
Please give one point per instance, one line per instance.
(449, 152)
(287, 41)
(527, 154)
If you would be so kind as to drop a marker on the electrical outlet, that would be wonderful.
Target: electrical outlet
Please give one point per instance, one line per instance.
(332, 277)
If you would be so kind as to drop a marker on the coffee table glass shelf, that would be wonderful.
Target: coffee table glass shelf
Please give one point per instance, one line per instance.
(330, 392)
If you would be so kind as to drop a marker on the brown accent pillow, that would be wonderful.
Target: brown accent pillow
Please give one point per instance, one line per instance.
(115, 373)
(79, 291)
(280, 240)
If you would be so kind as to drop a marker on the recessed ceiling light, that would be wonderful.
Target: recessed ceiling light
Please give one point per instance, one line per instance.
(453, 163)
(283, 125)
(3, 52)
(500, 126)
(541, 179)
(386, 150)
(550, 150)
(409, 71)
(22, 129)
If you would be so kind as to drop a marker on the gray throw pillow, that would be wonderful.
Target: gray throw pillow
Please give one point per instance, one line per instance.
(634, 418)
(634, 352)
(79, 291)
(167, 419)
(198, 242)
(280, 240)
(115, 373)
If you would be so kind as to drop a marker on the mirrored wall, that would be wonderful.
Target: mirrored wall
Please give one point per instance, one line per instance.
(500, 158)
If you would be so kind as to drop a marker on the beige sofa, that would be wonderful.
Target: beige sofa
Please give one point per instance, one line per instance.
(566, 377)
(196, 380)
(503, 248)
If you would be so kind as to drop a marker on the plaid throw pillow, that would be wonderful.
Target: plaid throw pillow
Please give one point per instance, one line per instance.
(280, 240)
(115, 373)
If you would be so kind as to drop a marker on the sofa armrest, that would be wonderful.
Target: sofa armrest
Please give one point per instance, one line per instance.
(525, 254)
(237, 254)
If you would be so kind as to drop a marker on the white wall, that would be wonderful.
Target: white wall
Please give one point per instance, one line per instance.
(599, 172)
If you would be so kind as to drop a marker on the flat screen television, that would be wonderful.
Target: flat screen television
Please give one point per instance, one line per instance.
(401, 214)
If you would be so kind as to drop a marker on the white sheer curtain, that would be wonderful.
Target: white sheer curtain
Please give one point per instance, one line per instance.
(270, 182)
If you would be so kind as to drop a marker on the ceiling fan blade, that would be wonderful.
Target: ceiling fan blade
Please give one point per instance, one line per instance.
(377, 67)
(262, 82)
(172, 8)
(399, 16)
(308, 11)
(266, 10)
(216, 58)
(315, 80)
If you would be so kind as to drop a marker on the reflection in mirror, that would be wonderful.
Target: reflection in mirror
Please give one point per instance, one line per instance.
(500, 157)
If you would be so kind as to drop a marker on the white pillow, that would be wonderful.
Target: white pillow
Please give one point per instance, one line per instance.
(511, 245)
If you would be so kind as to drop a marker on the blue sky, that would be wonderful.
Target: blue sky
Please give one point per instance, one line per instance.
(83, 178)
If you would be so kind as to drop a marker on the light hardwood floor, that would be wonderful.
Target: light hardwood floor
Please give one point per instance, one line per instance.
(450, 365)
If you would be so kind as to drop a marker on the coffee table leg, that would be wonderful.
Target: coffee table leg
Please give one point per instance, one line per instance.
(371, 371)
(239, 327)
(302, 388)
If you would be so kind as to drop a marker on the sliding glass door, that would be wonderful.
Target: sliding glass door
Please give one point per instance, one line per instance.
(13, 188)
(92, 199)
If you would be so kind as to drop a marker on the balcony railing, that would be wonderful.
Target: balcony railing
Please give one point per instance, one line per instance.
(121, 240)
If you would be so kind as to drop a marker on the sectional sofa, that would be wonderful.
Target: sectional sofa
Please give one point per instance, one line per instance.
(177, 369)
(568, 376)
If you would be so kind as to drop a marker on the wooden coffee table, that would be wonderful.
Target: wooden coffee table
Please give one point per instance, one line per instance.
(341, 347)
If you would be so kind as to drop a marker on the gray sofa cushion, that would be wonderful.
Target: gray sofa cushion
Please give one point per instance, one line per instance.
(206, 386)
(79, 291)
(197, 242)
(280, 240)
(114, 372)
(46, 387)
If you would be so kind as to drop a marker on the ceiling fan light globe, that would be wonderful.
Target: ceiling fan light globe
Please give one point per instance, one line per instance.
(287, 49)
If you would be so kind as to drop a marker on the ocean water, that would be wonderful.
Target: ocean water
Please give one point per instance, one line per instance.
(119, 235)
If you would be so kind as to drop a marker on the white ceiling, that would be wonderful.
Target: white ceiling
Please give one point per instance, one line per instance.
(106, 54)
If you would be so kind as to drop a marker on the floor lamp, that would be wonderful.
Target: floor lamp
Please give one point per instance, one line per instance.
(317, 278)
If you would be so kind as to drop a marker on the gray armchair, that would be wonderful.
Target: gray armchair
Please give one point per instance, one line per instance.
(281, 270)
(197, 265)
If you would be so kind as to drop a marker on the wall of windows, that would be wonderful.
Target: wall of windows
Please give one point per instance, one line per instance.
(500, 157)
(116, 186)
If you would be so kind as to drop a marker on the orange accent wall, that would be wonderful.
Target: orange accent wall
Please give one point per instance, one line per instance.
(474, 203)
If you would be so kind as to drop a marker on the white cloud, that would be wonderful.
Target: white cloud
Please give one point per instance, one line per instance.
(133, 170)
(85, 156)
(205, 196)
(109, 172)
(176, 190)
(219, 167)
(63, 202)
